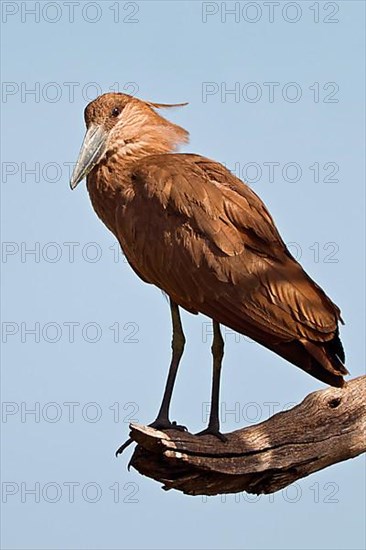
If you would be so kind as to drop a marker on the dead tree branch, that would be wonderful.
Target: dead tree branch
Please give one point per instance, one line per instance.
(326, 428)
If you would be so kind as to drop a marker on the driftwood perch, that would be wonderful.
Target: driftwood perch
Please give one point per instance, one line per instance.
(326, 428)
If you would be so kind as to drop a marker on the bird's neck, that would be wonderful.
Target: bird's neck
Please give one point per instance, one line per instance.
(155, 136)
(110, 184)
(105, 185)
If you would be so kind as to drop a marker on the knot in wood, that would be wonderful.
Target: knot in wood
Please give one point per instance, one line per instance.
(335, 402)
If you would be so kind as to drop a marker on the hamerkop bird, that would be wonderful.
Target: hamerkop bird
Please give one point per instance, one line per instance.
(189, 226)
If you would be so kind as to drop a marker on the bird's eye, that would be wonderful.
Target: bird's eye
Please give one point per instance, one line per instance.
(116, 111)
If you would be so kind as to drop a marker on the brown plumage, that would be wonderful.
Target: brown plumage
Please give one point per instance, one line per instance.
(190, 227)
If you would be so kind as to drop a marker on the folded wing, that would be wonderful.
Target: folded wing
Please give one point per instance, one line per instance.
(193, 229)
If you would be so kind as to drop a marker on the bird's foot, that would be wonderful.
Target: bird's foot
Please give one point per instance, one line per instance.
(164, 424)
(210, 430)
(158, 424)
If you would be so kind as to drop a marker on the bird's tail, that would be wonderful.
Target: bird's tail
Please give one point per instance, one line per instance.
(323, 360)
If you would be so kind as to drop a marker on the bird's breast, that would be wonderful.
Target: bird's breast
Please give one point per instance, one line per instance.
(105, 187)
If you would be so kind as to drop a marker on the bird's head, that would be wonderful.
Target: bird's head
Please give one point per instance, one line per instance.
(122, 124)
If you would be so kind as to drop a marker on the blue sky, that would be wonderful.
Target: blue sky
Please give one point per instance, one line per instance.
(276, 92)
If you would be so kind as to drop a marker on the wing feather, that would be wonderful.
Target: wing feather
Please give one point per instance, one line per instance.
(208, 241)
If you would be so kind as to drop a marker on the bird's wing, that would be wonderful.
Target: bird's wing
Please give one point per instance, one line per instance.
(193, 229)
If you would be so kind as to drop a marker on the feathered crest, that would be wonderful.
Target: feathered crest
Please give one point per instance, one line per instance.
(165, 105)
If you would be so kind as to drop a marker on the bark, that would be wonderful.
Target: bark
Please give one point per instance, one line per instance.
(327, 427)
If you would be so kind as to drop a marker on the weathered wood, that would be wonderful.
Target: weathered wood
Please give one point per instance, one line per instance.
(326, 428)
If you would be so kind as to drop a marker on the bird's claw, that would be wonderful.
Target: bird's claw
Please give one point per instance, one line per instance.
(167, 425)
(124, 446)
(213, 431)
(157, 425)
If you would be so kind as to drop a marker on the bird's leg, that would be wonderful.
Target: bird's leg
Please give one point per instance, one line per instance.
(178, 342)
(217, 349)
